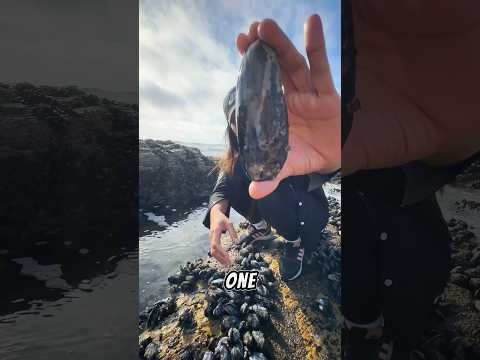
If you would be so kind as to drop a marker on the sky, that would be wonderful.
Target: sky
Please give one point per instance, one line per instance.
(90, 43)
(188, 59)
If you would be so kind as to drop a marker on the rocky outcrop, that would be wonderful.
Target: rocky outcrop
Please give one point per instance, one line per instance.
(69, 164)
(279, 320)
(173, 174)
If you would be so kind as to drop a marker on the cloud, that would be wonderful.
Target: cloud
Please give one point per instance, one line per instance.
(154, 94)
(85, 43)
(188, 59)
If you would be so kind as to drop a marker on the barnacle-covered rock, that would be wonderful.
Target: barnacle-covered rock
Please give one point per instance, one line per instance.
(261, 113)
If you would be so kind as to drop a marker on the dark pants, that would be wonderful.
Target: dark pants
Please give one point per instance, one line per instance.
(395, 261)
(290, 209)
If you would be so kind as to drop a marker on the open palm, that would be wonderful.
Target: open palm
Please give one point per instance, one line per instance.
(313, 103)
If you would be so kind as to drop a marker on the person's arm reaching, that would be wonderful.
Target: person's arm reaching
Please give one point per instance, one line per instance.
(217, 219)
(219, 223)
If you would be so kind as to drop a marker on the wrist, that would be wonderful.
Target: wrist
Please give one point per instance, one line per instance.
(219, 209)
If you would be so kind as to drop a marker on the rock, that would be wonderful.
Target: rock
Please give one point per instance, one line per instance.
(65, 164)
(261, 113)
(183, 173)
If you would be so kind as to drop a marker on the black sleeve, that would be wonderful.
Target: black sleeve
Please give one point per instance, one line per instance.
(317, 180)
(423, 180)
(219, 193)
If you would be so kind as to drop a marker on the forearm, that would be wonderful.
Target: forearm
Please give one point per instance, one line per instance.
(220, 207)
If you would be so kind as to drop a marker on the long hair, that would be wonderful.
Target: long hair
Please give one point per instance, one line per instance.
(227, 160)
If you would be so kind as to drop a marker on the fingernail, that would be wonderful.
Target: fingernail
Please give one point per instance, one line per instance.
(317, 20)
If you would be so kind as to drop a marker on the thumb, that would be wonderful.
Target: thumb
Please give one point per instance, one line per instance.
(260, 189)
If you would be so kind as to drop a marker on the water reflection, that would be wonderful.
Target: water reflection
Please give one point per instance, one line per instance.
(65, 298)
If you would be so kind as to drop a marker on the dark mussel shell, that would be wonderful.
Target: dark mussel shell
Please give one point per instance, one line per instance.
(261, 113)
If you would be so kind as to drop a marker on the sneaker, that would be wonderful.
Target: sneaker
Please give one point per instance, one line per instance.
(253, 234)
(291, 262)
(355, 346)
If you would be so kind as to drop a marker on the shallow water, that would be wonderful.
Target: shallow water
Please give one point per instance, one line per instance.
(164, 248)
(177, 237)
(69, 301)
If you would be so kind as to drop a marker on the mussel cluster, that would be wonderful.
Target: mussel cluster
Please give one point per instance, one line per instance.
(242, 315)
(186, 278)
(443, 342)
(334, 209)
(152, 316)
(327, 256)
(465, 259)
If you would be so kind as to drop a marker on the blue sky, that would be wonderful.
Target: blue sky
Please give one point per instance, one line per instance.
(188, 58)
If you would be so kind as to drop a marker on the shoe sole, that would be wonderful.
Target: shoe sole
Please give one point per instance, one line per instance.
(261, 238)
(297, 274)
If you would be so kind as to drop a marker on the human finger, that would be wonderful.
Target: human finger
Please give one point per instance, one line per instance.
(232, 233)
(243, 41)
(317, 55)
(220, 254)
(291, 61)
(216, 249)
(260, 189)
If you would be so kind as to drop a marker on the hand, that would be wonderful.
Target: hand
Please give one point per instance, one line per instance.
(417, 82)
(219, 223)
(312, 102)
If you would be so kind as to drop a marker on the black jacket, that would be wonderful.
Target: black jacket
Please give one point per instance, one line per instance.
(221, 190)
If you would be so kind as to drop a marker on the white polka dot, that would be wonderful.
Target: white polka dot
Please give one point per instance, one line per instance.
(388, 282)
(383, 236)
(302, 223)
(300, 203)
